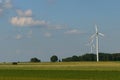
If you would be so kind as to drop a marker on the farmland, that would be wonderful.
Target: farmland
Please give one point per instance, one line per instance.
(61, 71)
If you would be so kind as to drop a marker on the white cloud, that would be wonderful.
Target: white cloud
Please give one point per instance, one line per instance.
(24, 13)
(47, 34)
(56, 27)
(25, 36)
(24, 18)
(28, 13)
(20, 12)
(27, 21)
(7, 4)
(73, 31)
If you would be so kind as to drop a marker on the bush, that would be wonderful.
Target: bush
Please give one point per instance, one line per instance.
(14, 63)
(35, 60)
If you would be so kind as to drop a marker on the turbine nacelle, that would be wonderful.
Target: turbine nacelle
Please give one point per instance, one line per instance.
(96, 34)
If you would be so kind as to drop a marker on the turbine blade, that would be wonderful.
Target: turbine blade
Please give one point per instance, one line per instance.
(91, 41)
(101, 34)
(92, 38)
(96, 28)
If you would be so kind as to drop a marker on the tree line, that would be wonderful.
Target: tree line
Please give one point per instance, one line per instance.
(85, 57)
(92, 57)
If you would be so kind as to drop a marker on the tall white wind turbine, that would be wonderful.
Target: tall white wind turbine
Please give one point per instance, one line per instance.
(96, 35)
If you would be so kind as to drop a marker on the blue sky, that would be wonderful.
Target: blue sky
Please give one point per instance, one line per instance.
(42, 28)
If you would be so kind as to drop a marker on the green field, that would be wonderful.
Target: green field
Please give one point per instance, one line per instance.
(61, 71)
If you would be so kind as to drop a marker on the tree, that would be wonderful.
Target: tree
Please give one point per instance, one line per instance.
(68, 59)
(14, 63)
(54, 58)
(35, 60)
(89, 57)
(75, 58)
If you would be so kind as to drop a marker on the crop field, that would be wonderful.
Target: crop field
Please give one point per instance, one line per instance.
(61, 71)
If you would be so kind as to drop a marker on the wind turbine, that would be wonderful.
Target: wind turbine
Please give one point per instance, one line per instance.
(92, 46)
(96, 35)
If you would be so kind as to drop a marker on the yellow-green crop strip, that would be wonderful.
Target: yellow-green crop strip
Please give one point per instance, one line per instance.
(61, 71)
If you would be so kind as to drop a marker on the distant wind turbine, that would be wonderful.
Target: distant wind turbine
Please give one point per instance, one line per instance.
(96, 35)
(92, 47)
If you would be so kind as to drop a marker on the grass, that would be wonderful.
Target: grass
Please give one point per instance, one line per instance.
(59, 74)
(61, 71)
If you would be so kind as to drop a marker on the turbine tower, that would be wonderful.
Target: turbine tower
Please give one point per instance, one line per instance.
(96, 35)
(92, 46)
